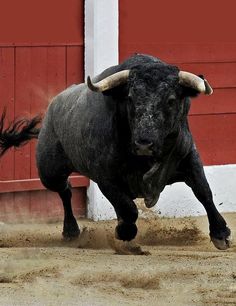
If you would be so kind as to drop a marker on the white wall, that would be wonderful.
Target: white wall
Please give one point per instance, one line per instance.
(101, 51)
(177, 200)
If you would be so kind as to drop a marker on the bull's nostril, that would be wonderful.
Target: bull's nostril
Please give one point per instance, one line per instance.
(144, 144)
(144, 148)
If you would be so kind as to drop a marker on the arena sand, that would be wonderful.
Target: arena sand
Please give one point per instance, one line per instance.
(179, 265)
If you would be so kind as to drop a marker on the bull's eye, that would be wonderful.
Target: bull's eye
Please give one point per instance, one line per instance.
(171, 100)
(129, 98)
(130, 106)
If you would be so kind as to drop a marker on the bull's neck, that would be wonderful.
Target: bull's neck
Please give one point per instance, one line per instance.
(123, 127)
(171, 141)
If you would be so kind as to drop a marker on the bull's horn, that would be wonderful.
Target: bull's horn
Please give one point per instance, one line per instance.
(191, 80)
(109, 82)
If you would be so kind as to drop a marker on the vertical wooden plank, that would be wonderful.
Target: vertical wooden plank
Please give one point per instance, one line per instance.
(54, 207)
(22, 106)
(7, 206)
(48, 79)
(75, 65)
(39, 94)
(21, 208)
(38, 104)
(39, 79)
(79, 201)
(23, 93)
(7, 100)
(56, 70)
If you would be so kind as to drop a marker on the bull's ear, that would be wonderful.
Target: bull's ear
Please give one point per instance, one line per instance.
(118, 92)
(190, 92)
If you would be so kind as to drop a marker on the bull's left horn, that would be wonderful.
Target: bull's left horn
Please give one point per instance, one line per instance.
(109, 82)
(191, 80)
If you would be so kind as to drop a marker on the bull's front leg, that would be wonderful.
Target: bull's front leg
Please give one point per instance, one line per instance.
(126, 211)
(195, 178)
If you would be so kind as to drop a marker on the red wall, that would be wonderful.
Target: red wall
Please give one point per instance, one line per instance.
(41, 53)
(47, 22)
(199, 39)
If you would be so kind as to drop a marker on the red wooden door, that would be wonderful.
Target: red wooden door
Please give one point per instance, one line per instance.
(41, 53)
(198, 38)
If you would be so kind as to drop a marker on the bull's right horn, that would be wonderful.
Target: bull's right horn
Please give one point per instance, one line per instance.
(109, 82)
(192, 80)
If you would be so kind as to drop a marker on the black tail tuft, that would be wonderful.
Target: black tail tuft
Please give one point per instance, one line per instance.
(18, 132)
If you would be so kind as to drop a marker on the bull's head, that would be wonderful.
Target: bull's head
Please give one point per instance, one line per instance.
(157, 99)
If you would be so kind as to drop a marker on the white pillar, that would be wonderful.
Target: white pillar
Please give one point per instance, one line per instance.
(101, 52)
(101, 35)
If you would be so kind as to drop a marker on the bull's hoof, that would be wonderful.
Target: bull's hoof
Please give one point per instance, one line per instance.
(223, 240)
(126, 231)
(71, 229)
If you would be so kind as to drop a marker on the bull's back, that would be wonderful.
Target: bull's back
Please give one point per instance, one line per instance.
(82, 122)
(58, 132)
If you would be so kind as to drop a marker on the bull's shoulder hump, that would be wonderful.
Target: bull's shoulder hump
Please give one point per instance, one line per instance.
(69, 95)
(73, 90)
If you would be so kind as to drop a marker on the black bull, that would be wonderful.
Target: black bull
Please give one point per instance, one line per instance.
(127, 130)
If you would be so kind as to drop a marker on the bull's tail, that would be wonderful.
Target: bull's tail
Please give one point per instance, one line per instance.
(18, 132)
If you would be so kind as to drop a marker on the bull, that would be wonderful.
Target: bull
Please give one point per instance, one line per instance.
(127, 130)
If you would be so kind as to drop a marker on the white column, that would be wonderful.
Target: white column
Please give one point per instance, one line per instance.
(101, 35)
(101, 52)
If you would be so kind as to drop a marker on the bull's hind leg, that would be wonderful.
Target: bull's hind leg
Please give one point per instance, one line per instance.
(70, 229)
(125, 209)
(62, 187)
(54, 169)
(195, 178)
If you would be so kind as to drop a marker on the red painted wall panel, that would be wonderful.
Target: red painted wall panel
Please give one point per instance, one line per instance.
(7, 93)
(30, 77)
(215, 137)
(177, 21)
(221, 102)
(41, 53)
(220, 75)
(198, 43)
(53, 22)
(22, 107)
(44, 204)
(75, 64)
(179, 52)
(47, 79)
(56, 71)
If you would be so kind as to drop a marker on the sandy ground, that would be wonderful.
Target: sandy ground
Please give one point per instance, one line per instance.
(183, 268)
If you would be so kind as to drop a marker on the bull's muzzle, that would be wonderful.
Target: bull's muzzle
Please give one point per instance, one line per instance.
(144, 148)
